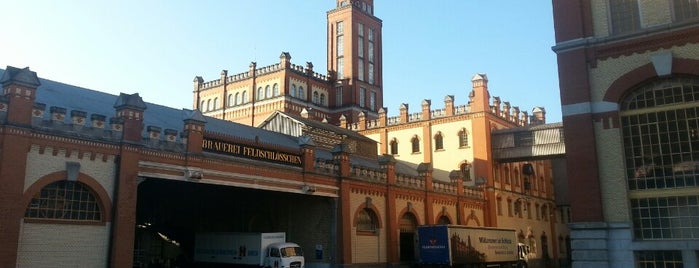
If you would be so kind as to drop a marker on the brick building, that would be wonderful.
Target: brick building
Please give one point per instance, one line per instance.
(95, 180)
(353, 84)
(629, 83)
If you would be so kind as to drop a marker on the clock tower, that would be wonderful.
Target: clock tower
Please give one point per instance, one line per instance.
(355, 58)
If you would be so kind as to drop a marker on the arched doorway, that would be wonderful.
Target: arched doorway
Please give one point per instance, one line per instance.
(408, 226)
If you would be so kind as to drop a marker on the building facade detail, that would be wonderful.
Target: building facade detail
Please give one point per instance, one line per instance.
(628, 89)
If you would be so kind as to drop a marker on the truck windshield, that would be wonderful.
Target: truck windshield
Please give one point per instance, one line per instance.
(291, 252)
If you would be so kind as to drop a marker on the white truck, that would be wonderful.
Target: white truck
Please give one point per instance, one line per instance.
(462, 246)
(250, 249)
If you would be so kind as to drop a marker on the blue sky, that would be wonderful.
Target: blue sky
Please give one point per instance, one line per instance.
(155, 48)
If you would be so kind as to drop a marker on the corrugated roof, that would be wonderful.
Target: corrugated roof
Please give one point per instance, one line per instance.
(72, 97)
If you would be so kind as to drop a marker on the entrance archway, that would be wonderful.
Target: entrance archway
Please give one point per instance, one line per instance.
(408, 226)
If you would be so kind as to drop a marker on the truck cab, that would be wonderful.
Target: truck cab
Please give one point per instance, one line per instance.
(284, 255)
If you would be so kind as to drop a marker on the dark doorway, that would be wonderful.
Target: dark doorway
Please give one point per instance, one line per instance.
(408, 226)
(407, 247)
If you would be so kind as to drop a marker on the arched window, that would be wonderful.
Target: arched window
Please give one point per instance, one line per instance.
(301, 95)
(245, 97)
(408, 223)
(275, 89)
(416, 144)
(238, 99)
(463, 138)
(231, 99)
(438, 141)
(367, 221)
(443, 220)
(208, 105)
(507, 175)
(65, 200)
(215, 103)
(260, 93)
(202, 106)
(322, 99)
(293, 91)
(394, 146)
(268, 92)
(315, 97)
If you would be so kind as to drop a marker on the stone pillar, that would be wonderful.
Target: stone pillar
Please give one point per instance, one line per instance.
(449, 105)
(404, 113)
(194, 131)
(479, 97)
(383, 118)
(130, 109)
(362, 121)
(426, 110)
(307, 153)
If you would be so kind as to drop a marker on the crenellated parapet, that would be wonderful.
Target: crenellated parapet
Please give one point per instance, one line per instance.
(284, 64)
(479, 100)
(385, 174)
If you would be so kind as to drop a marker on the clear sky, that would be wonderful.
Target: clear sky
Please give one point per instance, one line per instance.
(431, 49)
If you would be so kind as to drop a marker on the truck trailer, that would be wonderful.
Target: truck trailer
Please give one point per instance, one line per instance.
(247, 249)
(463, 246)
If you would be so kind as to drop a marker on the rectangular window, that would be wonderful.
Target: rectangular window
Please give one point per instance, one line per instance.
(665, 218)
(360, 69)
(660, 258)
(371, 51)
(340, 45)
(371, 73)
(340, 28)
(360, 47)
(360, 29)
(362, 96)
(338, 96)
(340, 66)
(372, 101)
(371, 34)
(625, 16)
(685, 9)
